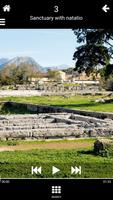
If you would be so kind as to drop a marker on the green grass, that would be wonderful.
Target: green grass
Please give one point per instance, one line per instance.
(12, 143)
(73, 102)
(17, 142)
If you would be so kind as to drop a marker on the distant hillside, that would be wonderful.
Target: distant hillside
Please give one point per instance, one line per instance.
(17, 61)
(3, 61)
(59, 67)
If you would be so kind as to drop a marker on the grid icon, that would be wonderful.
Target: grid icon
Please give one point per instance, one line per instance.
(56, 189)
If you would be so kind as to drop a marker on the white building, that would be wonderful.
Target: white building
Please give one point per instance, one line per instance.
(62, 76)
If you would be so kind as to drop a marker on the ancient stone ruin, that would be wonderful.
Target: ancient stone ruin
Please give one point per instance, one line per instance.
(53, 125)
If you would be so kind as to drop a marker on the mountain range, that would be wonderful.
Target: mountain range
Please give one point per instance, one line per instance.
(17, 61)
(3, 61)
(30, 61)
(59, 67)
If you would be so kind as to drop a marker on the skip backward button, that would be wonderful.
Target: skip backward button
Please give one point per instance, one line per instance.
(36, 170)
(2, 21)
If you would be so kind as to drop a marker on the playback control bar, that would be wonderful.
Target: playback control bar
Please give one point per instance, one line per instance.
(73, 170)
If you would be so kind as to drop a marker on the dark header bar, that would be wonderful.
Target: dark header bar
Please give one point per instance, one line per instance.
(56, 14)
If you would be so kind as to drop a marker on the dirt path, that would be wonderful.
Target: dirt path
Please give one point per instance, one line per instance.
(50, 145)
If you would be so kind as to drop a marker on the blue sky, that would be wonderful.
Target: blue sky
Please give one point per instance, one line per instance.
(49, 47)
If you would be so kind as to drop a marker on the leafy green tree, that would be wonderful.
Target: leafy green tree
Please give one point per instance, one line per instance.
(95, 50)
(13, 74)
(7, 75)
(53, 74)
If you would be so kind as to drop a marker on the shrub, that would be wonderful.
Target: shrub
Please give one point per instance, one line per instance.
(103, 147)
(11, 87)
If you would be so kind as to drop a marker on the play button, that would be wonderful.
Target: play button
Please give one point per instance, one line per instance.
(55, 170)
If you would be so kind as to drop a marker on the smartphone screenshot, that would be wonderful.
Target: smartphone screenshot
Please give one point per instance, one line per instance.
(56, 98)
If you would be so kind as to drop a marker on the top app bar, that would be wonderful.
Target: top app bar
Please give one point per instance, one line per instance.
(56, 14)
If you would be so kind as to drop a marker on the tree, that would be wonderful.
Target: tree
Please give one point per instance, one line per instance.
(53, 74)
(95, 49)
(24, 72)
(107, 71)
(12, 74)
(107, 77)
(7, 75)
(69, 70)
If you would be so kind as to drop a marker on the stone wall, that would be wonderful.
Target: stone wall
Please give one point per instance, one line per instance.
(53, 109)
